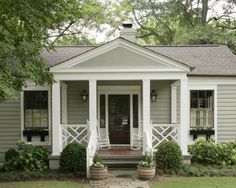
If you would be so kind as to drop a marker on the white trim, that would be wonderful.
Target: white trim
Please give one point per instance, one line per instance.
(92, 105)
(118, 70)
(56, 112)
(184, 115)
(119, 90)
(146, 111)
(33, 87)
(119, 42)
(120, 76)
(212, 81)
(214, 88)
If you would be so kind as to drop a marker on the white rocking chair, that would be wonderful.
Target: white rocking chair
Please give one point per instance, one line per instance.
(103, 140)
(137, 138)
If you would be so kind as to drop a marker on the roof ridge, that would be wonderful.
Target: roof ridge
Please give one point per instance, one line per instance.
(72, 46)
(190, 45)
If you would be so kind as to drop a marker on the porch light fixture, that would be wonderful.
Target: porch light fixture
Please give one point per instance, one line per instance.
(84, 96)
(154, 96)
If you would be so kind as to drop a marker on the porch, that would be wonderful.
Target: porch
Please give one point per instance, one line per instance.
(80, 121)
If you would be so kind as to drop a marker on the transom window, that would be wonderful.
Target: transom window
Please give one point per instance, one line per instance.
(36, 109)
(202, 109)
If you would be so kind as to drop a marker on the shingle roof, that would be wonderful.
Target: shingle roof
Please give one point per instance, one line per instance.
(206, 59)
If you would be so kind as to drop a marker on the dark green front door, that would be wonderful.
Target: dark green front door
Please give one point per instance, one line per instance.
(119, 119)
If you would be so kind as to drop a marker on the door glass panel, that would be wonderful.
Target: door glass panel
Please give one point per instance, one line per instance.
(119, 119)
(135, 111)
(102, 111)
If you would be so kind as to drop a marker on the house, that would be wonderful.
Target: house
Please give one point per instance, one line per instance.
(121, 88)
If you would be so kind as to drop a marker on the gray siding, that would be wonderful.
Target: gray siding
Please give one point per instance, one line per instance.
(178, 104)
(226, 116)
(161, 110)
(10, 125)
(78, 112)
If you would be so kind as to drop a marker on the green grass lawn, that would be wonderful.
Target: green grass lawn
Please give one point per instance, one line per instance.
(44, 184)
(195, 182)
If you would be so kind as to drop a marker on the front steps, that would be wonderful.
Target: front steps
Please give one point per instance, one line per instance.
(122, 161)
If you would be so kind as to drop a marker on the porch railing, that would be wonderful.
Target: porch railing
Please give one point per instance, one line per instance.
(164, 132)
(74, 133)
(91, 149)
(147, 142)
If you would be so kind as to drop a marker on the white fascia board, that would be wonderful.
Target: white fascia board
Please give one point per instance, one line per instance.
(210, 81)
(111, 70)
(119, 43)
(120, 76)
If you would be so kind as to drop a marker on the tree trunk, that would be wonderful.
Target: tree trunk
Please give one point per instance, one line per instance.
(204, 11)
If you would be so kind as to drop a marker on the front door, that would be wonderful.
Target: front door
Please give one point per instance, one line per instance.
(119, 119)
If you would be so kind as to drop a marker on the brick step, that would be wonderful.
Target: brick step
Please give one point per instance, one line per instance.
(122, 162)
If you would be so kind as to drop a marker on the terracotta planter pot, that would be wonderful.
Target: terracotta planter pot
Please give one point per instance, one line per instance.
(146, 173)
(98, 173)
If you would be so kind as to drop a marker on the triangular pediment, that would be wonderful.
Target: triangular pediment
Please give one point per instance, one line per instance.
(121, 54)
(120, 57)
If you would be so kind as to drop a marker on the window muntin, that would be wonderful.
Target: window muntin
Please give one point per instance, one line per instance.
(36, 109)
(202, 108)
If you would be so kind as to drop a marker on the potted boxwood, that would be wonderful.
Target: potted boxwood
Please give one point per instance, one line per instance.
(98, 171)
(147, 168)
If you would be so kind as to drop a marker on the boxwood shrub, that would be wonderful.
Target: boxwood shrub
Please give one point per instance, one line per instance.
(73, 158)
(169, 156)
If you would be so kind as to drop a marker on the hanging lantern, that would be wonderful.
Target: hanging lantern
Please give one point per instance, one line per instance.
(84, 96)
(154, 96)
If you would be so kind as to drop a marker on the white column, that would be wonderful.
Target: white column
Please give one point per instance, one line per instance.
(56, 131)
(146, 108)
(184, 115)
(92, 104)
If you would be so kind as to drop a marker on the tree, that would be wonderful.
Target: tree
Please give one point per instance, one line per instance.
(185, 21)
(28, 26)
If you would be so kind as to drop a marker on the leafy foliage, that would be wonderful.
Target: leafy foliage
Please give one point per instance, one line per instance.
(29, 26)
(183, 22)
(27, 158)
(73, 158)
(11, 154)
(97, 160)
(148, 161)
(208, 152)
(169, 156)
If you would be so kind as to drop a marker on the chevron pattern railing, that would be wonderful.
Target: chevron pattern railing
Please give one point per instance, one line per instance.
(164, 132)
(74, 134)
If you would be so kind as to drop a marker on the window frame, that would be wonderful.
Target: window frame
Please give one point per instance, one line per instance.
(32, 87)
(206, 87)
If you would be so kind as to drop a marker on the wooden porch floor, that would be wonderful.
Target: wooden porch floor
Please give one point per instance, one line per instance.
(121, 151)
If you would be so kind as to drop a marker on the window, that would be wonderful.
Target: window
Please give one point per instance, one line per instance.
(36, 109)
(202, 108)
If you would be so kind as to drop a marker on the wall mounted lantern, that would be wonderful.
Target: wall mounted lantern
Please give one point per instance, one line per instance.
(84, 96)
(154, 96)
